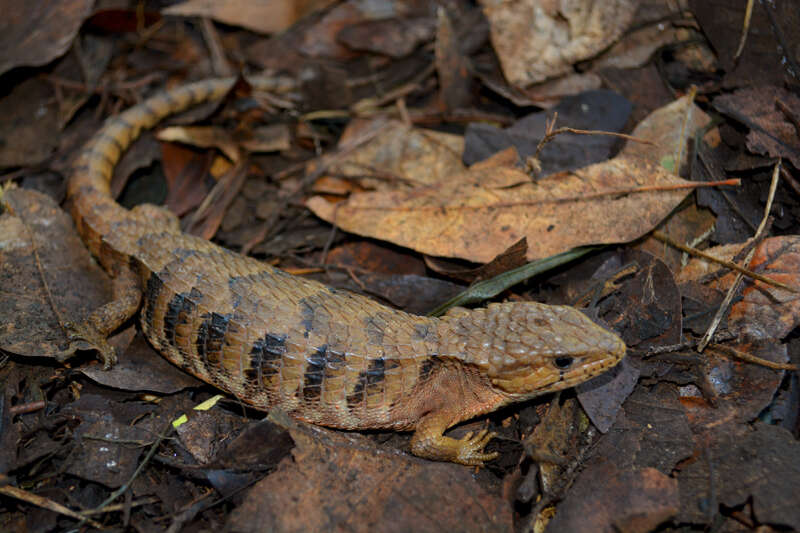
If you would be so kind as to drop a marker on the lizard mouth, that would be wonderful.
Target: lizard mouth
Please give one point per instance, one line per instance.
(589, 370)
(529, 382)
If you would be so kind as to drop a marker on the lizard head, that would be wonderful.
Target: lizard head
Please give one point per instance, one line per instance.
(527, 348)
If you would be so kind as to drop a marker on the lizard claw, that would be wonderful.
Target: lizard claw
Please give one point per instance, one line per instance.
(86, 337)
(470, 450)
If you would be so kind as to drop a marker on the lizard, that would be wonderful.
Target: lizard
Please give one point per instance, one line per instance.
(326, 356)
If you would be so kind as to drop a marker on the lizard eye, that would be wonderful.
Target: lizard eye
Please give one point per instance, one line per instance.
(563, 363)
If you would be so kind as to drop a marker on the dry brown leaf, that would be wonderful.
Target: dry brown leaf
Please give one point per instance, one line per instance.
(536, 39)
(685, 225)
(264, 16)
(632, 500)
(35, 32)
(269, 138)
(772, 38)
(186, 171)
(754, 468)
(29, 129)
(764, 312)
(461, 218)
(452, 67)
(395, 37)
(637, 47)
(202, 137)
(771, 113)
(336, 481)
(398, 156)
(671, 131)
(46, 276)
(479, 213)
(549, 93)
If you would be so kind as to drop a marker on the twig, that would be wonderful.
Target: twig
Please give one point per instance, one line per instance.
(723, 308)
(45, 503)
(24, 408)
(121, 506)
(728, 264)
(120, 491)
(355, 279)
(790, 116)
(748, 13)
(551, 133)
(788, 178)
(684, 125)
(219, 62)
(686, 345)
(582, 198)
(750, 358)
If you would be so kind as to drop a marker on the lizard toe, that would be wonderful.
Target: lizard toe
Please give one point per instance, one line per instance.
(472, 445)
(86, 337)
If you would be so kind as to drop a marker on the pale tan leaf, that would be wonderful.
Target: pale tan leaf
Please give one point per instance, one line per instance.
(671, 129)
(398, 156)
(269, 138)
(263, 16)
(460, 218)
(540, 39)
(202, 137)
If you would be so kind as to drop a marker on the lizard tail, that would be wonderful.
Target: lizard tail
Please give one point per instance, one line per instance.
(95, 212)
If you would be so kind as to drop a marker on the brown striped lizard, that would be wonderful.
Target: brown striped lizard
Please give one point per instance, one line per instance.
(325, 356)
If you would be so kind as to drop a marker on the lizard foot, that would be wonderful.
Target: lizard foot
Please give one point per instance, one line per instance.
(86, 337)
(470, 449)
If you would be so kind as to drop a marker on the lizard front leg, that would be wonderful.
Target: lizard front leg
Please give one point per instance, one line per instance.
(429, 442)
(93, 332)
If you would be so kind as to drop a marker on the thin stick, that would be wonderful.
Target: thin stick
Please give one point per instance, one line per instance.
(723, 308)
(748, 13)
(684, 139)
(583, 198)
(219, 62)
(550, 133)
(732, 352)
(728, 264)
(45, 503)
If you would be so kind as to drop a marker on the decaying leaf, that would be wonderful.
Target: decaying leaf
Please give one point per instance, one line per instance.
(759, 465)
(37, 31)
(339, 481)
(478, 213)
(764, 312)
(631, 500)
(264, 16)
(46, 276)
(670, 131)
(203, 137)
(771, 113)
(392, 155)
(463, 218)
(770, 49)
(140, 368)
(536, 40)
(29, 129)
(652, 430)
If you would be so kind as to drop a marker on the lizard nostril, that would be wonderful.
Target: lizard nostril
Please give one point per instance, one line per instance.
(563, 363)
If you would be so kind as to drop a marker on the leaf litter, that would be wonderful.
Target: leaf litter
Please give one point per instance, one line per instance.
(380, 141)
